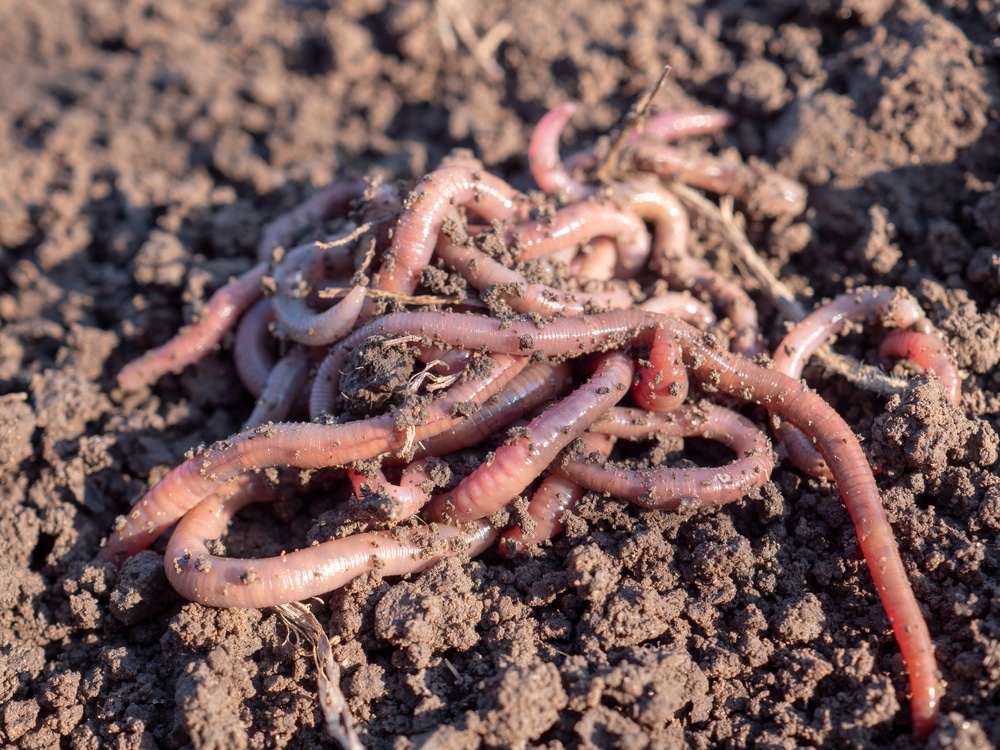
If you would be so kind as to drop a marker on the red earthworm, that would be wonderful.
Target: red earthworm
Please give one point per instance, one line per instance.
(252, 347)
(529, 390)
(771, 194)
(668, 487)
(285, 383)
(201, 576)
(671, 259)
(596, 262)
(681, 305)
(928, 351)
(514, 466)
(482, 272)
(223, 310)
(401, 500)
(578, 223)
(296, 277)
(555, 495)
(842, 452)
(297, 445)
(543, 156)
(543, 151)
(420, 224)
(896, 307)
(661, 382)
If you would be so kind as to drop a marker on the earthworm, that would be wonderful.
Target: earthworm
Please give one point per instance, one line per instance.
(669, 488)
(547, 167)
(843, 454)
(661, 382)
(581, 222)
(514, 466)
(681, 305)
(400, 500)
(928, 351)
(285, 383)
(897, 308)
(223, 310)
(252, 347)
(328, 203)
(555, 495)
(482, 272)
(597, 261)
(671, 259)
(297, 445)
(529, 390)
(215, 581)
(438, 193)
(255, 364)
(770, 194)
(295, 278)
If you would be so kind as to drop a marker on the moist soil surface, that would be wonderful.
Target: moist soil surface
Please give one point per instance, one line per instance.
(145, 146)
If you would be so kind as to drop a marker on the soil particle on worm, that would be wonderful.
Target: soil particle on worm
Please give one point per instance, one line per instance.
(146, 145)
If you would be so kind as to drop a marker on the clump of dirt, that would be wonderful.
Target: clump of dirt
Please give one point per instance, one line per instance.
(145, 145)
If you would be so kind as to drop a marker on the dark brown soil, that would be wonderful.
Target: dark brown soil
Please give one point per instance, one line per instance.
(145, 144)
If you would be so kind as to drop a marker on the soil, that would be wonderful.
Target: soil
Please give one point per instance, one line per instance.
(145, 145)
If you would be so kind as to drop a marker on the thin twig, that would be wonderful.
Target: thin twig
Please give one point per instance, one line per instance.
(751, 264)
(407, 299)
(635, 116)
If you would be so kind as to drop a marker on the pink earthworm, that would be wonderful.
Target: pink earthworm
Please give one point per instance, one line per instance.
(661, 382)
(928, 351)
(669, 488)
(416, 233)
(296, 277)
(223, 310)
(252, 347)
(671, 259)
(330, 202)
(482, 272)
(555, 495)
(895, 307)
(579, 223)
(529, 390)
(771, 194)
(543, 156)
(681, 305)
(514, 466)
(402, 500)
(215, 581)
(543, 151)
(285, 384)
(255, 364)
(297, 445)
(596, 261)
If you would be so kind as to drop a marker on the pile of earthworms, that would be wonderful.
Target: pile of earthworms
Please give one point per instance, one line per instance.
(433, 320)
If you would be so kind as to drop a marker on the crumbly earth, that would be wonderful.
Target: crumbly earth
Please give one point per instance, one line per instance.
(144, 145)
